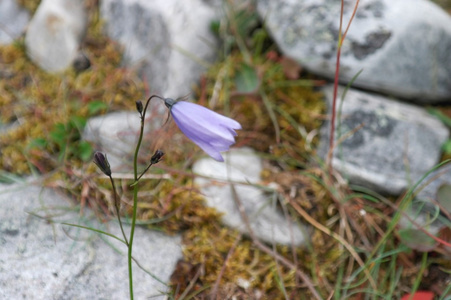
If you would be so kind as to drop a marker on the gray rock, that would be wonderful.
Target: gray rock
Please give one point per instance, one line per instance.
(41, 259)
(168, 40)
(55, 33)
(116, 134)
(13, 20)
(427, 190)
(425, 209)
(397, 144)
(427, 199)
(402, 46)
(242, 167)
(7, 127)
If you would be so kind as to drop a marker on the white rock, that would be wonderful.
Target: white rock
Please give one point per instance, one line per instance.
(402, 46)
(55, 33)
(243, 168)
(13, 20)
(168, 40)
(40, 260)
(116, 134)
(396, 145)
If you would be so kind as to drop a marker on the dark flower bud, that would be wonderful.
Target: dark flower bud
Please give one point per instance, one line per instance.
(169, 102)
(102, 162)
(139, 106)
(156, 157)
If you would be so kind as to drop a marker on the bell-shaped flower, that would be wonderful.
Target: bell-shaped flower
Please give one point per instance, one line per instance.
(209, 130)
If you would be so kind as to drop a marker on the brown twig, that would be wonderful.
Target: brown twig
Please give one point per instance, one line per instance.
(268, 250)
(192, 282)
(214, 291)
(341, 38)
(340, 239)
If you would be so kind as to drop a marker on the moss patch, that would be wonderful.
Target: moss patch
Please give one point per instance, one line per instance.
(37, 102)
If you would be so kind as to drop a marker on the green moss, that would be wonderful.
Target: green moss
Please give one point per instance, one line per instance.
(37, 101)
(295, 105)
(215, 248)
(31, 5)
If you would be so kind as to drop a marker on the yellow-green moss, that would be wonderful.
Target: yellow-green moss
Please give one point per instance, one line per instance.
(31, 5)
(37, 100)
(293, 105)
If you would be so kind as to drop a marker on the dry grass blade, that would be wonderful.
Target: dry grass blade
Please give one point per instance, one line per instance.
(324, 229)
(269, 251)
(214, 291)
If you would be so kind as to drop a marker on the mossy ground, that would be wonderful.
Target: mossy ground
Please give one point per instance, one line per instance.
(279, 109)
(37, 102)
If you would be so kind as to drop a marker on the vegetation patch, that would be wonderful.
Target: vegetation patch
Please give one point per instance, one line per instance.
(354, 252)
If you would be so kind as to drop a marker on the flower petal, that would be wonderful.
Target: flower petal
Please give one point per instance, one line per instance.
(209, 130)
(191, 115)
(210, 149)
(194, 117)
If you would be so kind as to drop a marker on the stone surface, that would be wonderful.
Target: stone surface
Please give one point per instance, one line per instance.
(55, 33)
(115, 134)
(168, 40)
(13, 20)
(40, 259)
(396, 145)
(6, 127)
(425, 209)
(243, 168)
(402, 46)
(427, 191)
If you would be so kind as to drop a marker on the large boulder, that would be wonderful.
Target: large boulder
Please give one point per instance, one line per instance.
(13, 20)
(402, 46)
(169, 41)
(42, 259)
(383, 144)
(55, 33)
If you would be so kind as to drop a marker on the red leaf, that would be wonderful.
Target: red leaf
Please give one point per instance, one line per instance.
(420, 295)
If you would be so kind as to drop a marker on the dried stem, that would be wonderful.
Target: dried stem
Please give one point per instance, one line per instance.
(268, 250)
(341, 38)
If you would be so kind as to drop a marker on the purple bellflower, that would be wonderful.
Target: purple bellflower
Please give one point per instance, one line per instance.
(207, 129)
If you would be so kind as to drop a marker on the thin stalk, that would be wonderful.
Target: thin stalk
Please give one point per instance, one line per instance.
(341, 37)
(144, 172)
(135, 196)
(130, 245)
(117, 206)
(135, 204)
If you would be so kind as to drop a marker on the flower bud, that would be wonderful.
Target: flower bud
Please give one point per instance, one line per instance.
(139, 106)
(102, 162)
(156, 157)
(169, 102)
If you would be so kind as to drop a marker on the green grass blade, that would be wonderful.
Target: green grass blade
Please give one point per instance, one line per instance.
(95, 230)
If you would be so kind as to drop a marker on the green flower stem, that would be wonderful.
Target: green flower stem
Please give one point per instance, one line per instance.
(117, 206)
(135, 205)
(135, 196)
(130, 245)
(142, 174)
